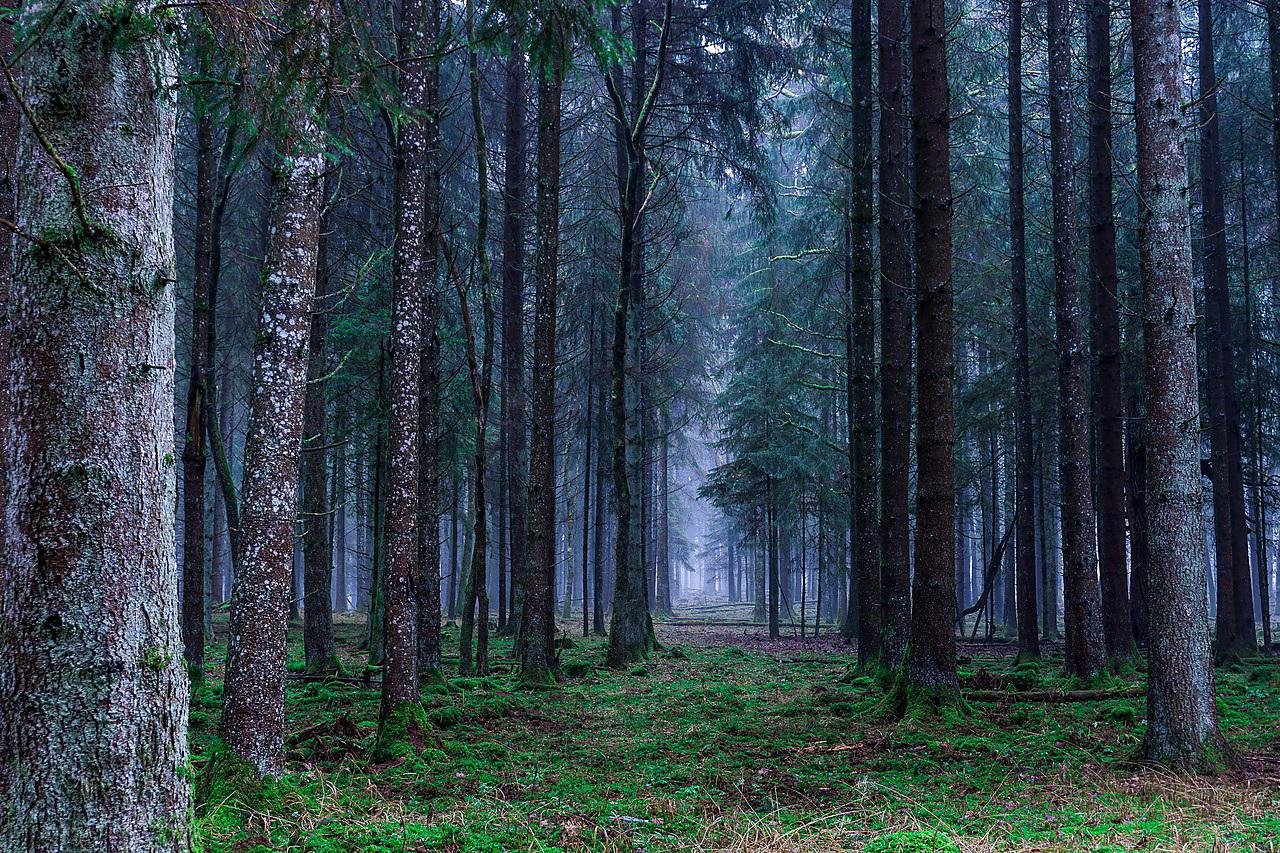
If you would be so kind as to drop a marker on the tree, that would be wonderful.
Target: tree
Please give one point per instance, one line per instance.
(537, 655)
(631, 630)
(1084, 649)
(860, 343)
(93, 696)
(317, 543)
(514, 412)
(400, 701)
(1024, 451)
(1182, 727)
(895, 334)
(253, 696)
(427, 578)
(1235, 625)
(931, 658)
(1109, 421)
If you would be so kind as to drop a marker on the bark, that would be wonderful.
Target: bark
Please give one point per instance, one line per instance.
(631, 631)
(427, 576)
(193, 450)
(662, 599)
(1117, 623)
(587, 449)
(860, 345)
(253, 698)
(1253, 393)
(931, 659)
(93, 696)
(1235, 625)
(895, 334)
(400, 613)
(317, 519)
(598, 525)
(1084, 647)
(514, 411)
(1024, 444)
(537, 654)
(1182, 728)
(475, 614)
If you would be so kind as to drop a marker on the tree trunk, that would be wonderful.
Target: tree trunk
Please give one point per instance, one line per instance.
(663, 555)
(402, 569)
(193, 450)
(895, 334)
(537, 654)
(317, 544)
(931, 660)
(253, 698)
(1182, 728)
(1084, 650)
(598, 525)
(1253, 393)
(514, 412)
(860, 342)
(1024, 444)
(427, 577)
(1117, 623)
(93, 696)
(1235, 624)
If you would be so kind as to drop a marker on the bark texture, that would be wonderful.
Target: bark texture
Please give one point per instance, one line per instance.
(895, 334)
(253, 698)
(931, 660)
(537, 653)
(93, 695)
(1084, 648)
(1182, 729)
(1117, 625)
(860, 346)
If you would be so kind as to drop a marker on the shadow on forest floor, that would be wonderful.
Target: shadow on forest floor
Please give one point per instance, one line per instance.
(725, 740)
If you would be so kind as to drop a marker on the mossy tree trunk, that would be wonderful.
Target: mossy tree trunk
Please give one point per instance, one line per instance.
(93, 693)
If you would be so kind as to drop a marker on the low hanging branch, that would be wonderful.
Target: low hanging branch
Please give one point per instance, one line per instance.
(997, 557)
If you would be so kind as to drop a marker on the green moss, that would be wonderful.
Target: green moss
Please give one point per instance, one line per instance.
(156, 659)
(402, 733)
(925, 841)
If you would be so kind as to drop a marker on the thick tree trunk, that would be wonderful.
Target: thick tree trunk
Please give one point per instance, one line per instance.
(1182, 729)
(537, 654)
(93, 696)
(317, 543)
(598, 525)
(895, 334)
(931, 660)
(1235, 624)
(1117, 623)
(1084, 650)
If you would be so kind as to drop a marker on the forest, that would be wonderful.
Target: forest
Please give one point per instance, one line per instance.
(639, 425)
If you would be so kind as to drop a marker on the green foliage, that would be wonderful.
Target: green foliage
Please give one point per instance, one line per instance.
(925, 841)
(724, 745)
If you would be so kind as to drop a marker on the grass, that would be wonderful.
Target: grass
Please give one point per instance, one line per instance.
(717, 747)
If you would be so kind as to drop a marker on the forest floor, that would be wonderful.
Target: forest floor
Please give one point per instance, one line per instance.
(727, 741)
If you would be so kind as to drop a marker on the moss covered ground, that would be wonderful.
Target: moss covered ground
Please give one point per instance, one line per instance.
(724, 742)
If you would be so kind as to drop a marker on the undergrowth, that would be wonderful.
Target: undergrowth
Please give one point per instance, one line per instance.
(723, 748)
